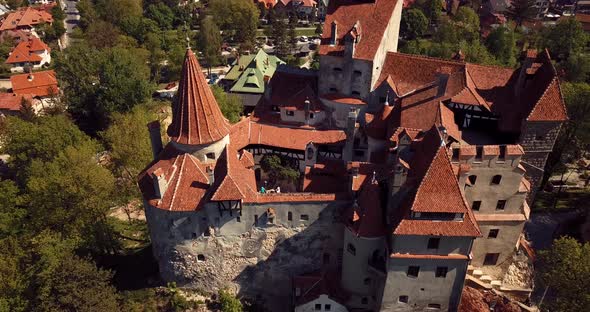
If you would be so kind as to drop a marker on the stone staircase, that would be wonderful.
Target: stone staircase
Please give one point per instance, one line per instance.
(477, 276)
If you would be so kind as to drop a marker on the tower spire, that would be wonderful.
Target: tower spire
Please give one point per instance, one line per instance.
(196, 117)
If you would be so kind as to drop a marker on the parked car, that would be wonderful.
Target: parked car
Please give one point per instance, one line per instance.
(303, 39)
(213, 78)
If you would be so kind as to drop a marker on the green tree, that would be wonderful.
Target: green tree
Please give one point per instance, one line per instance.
(162, 14)
(279, 168)
(128, 140)
(565, 269)
(41, 140)
(71, 195)
(229, 303)
(230, 104)
(467, 23)
(118, 11)
(87, 13)
(565, 38)
(12, 212)
(501, 42)
(101, 34)
(139, 27)
(414, 23)
(576, 67)
(432, 9)
(521, 10)
(577, 100)
(278, 32)
(13, 280)
(237, 18)
(209, 41)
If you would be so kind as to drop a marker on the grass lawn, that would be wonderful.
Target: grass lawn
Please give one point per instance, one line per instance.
(571, 199)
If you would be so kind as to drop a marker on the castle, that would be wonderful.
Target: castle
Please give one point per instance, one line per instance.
(413, 170)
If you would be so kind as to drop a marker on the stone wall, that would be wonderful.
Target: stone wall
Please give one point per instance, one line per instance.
(257, 259)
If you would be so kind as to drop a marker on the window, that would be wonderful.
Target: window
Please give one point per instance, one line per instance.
(367, 281)
(491, 259)
(326, 258)
(333, 90)
(403, 299)
(356, 93)
(472, 179)
(337, 69)
(496, 179)
(441, 272)
(433, 242)
(350, 248)
(357, 73)
(413, 271)
(493, 233)
(289, 216)
(238, 219)
(501, 205)
(194, 235)
(364, 300)
(271, 220)
(434, 306)
(255, 219)
(476, 205)
(200, 257)
(210, 155)
(478, 153)
(327, 307)
(304, 217)
(275, 108)
(290, 113)
(311, 115)
(318, 307)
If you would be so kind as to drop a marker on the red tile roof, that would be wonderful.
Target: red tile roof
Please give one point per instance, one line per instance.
(372, 17)
(233, 180)
(41, 84)
(409, 72)
(378, 123)
(12, 102)
(437, 257)
(312, 285)
(248, 132)
(25, 51)
(186, 179)
(367, 218)
(550, 106)
(297, 101)
(25, 17)
(196, 117)
(344, 99)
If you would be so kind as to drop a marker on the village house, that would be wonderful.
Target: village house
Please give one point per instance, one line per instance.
(41, 86)
(11, 104)
(32, 53)
(249, 75)
(415, 175)
(25, 19)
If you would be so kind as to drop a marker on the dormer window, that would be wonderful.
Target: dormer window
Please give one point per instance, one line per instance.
(334, 33)
(290, 113)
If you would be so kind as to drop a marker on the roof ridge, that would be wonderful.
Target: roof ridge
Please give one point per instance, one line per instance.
(177, 181)
(429, 58)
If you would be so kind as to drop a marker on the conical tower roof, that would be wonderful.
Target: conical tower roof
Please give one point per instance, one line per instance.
(196, 117)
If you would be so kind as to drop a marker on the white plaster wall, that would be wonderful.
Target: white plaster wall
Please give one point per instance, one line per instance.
(321, 300)
(388, 43)
(299, 116)
(200, 151)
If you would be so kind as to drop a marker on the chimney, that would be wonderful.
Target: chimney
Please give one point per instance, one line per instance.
(155, 137)
(442, 77)
(210, 174)
(350, 134)
(529, 58)
(307, 109)
(353, 173)
(160, 183)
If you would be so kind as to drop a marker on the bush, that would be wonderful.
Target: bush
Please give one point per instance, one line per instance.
(229, 303)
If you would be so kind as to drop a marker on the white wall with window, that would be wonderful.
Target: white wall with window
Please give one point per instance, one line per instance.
(321, 303)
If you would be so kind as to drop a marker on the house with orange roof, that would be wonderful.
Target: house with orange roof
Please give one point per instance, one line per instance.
(32, 53)
(40, 86)
(25, 19)
(415, 174)
(11, 104)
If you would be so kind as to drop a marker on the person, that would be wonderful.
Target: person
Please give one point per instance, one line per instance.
(278, 189)
(262, 190)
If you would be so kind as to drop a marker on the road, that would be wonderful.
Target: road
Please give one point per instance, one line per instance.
(71, 21)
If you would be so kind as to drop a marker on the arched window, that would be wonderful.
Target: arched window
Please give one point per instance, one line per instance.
(496, 179)
(471, 179)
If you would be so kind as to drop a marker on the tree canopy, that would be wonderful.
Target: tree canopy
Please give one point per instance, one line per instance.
(230, 104)
(237, 18)
(521, 10)
(209, 41)
(565, 38)
(565, 269)
(414, 23)
(501, 42)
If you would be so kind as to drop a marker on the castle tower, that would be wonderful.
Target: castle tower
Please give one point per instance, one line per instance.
(363, 262)
(198, 126)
